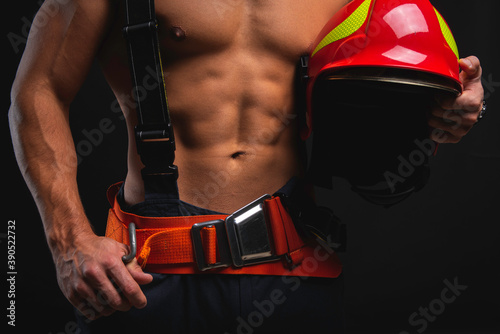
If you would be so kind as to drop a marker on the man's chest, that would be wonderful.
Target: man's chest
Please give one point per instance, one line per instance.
(284, 27)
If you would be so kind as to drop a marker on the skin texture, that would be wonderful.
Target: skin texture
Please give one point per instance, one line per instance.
(229, 69)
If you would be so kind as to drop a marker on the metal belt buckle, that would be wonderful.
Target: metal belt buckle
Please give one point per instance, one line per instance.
(242, 239)
(248, 235)
(199, 253)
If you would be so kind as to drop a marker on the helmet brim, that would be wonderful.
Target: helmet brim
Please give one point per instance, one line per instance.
(397, 76)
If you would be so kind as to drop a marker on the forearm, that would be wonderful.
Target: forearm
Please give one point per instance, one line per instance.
(56, 60)
(46, 156)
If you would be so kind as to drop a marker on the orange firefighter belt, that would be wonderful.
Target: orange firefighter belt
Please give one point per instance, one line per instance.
(258, 239)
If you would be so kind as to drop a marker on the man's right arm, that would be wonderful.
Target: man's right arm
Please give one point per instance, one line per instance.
(57, 58)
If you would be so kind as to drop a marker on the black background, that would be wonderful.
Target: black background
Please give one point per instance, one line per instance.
(398, 258)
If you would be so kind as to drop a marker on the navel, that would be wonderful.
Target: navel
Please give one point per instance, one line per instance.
(238, 154)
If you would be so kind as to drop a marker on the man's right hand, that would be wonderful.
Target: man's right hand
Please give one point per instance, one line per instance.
(58, 55)
(94, 279)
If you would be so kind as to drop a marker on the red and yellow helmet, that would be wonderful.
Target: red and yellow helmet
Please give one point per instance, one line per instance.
(372, 74)
(409, 39)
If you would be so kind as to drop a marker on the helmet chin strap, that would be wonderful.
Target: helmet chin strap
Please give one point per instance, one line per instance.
(394, 188)
(383, 199)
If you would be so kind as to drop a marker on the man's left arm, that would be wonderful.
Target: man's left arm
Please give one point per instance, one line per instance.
(453, 118)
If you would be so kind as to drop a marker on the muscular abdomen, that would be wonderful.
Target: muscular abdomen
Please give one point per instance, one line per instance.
(229, 70)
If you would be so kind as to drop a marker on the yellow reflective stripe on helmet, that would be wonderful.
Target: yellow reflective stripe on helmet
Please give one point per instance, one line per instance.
(448, 36)
(346, 28)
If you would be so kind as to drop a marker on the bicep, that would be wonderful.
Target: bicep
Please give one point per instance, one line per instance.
(62, 44)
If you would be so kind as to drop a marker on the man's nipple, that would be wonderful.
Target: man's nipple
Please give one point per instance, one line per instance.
(177, 34)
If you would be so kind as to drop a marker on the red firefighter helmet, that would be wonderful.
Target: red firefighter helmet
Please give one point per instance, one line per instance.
(372, 76)
(408, 39)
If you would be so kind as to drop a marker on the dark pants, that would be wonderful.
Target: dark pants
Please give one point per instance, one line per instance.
(225, 303)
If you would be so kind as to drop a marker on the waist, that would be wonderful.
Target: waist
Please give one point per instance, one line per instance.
(224, 182)
(258, 239)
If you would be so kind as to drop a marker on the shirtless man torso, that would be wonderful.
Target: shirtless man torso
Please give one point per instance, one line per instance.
(229, 70)
(229, 67)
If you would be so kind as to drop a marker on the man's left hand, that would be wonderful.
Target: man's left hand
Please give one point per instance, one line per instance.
(452, 118)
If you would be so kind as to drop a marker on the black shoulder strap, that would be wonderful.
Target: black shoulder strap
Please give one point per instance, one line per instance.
(154, 132)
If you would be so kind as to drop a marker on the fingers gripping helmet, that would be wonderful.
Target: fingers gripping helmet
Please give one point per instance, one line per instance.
(372, 76)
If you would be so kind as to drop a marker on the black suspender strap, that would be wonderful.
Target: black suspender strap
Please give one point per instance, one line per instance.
(154, 132)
